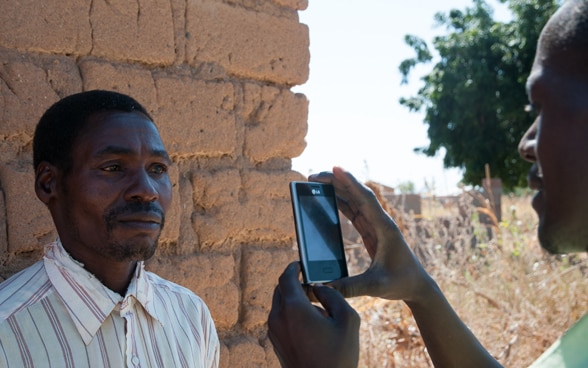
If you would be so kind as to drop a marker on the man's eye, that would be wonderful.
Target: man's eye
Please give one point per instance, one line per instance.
(112, 168)
(531, 109)
(159, 169)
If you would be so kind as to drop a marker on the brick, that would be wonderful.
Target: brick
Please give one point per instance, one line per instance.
(216, 189)
(261, 269)
(133, 30)
(223, 302)
(284, 9)
(29, 224)
(265, 138)
(57, 26)
(256, 101)
(212, 232)
(210, 276)
(271, 357)
(268, 196)
(254, 208)
(246, 43)
(196, 118)
(216, 197)
(188, 242)
(179, 27)
(293, 4)
(266, 219)
(224, 361)
(244, 352)
(20, 261)
(3, 234)
(131, 80)
(273, 185)
(30, 85)
(199, 271)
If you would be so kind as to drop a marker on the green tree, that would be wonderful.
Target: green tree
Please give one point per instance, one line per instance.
(474, 97)
(406, 187)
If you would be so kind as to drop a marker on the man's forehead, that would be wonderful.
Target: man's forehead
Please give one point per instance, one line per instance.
(119, 122)
(121, 129)
(533, 80)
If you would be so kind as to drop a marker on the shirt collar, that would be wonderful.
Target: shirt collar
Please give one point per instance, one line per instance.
(141, 290)
(87, 300)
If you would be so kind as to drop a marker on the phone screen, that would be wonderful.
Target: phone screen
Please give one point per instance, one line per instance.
(320, 222)
(318, 231)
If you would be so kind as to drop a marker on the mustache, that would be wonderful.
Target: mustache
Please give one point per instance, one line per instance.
(133, 208)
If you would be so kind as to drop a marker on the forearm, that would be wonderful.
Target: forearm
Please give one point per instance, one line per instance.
(449, 342)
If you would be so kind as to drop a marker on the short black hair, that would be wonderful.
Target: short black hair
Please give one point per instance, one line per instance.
(64, 121)
(566, 36)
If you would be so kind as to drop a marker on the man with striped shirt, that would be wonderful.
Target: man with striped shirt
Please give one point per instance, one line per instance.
(101, 170)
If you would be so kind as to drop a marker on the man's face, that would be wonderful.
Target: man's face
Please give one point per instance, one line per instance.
(112, 203)
(557, 144)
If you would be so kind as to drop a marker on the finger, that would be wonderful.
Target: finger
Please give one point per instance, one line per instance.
(276, 303)
(289, 283)
(322, 177)
(349, 187)
(357, 199)
(274, 324)
(308, 290)
(343, 181)
(333, 302)
(327, 177)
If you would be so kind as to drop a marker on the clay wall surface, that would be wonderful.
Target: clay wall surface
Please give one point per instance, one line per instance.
(216, 75)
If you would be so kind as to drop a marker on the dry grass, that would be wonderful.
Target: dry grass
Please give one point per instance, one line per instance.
(516, 298)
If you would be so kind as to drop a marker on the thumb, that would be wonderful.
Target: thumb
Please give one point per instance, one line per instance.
(352, 286)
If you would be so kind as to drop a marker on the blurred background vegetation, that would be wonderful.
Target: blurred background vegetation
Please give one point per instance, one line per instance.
(474, 98)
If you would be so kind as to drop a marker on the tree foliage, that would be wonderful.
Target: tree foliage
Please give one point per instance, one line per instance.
(474, 97)
(406, 187)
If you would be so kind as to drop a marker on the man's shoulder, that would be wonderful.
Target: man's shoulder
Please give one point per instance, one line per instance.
(569, 350)
(23, 289)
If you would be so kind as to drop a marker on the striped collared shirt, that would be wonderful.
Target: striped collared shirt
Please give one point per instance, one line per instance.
(56, 314)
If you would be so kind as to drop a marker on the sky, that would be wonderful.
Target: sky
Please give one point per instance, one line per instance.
(355, 120)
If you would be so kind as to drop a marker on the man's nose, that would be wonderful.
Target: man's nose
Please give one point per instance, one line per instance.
(528, 144)
(142, 187)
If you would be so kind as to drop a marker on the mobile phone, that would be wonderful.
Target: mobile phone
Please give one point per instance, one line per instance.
(318, 231)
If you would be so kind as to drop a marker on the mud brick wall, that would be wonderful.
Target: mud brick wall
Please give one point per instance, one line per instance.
(216, 76)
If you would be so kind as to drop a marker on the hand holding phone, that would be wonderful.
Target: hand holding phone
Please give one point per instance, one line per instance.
(318, 231)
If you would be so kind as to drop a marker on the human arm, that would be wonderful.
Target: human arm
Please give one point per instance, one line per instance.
(306, 335)
(396, 274)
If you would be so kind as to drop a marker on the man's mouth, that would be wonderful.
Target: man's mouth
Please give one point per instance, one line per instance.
(147, 221)
(140, 216)
(535, 177)
(535, 180)
(149, 217)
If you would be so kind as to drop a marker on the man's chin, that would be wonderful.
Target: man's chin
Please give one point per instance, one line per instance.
(135, 250)
(562, 241)
(550, 247)
(537, 202)
(145, 254)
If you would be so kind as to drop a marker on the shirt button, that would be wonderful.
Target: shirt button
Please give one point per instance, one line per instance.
(135, 361)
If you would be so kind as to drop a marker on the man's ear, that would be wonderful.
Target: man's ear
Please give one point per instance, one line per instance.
(46, 179)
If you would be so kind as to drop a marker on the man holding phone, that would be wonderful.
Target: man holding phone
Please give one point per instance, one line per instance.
(305, 335)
